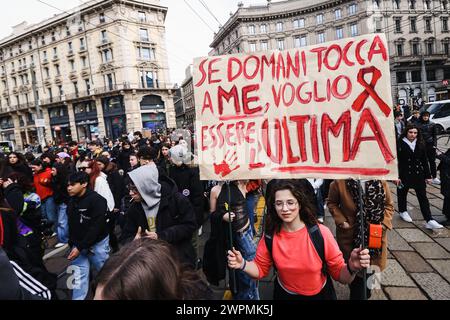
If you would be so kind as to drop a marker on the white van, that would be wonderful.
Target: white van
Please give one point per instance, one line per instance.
(440, 114)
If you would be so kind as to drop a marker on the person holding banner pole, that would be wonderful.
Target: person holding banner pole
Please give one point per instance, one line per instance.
(344, 202)
(228, 203)
(303, 252)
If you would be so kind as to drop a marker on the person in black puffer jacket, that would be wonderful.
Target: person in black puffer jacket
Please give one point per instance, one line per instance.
(429, 134)
(160, 212)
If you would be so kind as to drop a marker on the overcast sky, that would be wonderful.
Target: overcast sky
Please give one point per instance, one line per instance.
(187, 36)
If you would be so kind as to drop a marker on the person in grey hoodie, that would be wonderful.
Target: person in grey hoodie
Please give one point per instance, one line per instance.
(158, 211)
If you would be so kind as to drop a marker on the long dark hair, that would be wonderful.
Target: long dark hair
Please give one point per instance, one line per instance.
(273, 222)
(409, 126)
(147, 269)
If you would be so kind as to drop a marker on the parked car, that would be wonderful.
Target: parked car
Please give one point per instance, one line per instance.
(439, 114)
(6, 146)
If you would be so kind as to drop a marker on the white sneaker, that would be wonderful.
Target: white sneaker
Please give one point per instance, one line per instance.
(53, 235)
(433, 224)
(320, 220)
(200, 231)
(405, 216)
(59, 245)
(436, 181)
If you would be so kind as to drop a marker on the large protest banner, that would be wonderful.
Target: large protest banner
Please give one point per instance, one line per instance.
(322, 111)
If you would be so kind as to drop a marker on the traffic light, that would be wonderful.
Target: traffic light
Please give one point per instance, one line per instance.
(411, 92)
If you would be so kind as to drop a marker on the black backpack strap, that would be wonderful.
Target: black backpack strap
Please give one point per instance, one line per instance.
(317, 240)
(269, 244)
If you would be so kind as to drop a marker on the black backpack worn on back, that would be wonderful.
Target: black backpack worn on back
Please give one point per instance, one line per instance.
(317, 240)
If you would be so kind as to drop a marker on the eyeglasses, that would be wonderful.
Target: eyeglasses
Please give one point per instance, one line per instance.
(291, 204)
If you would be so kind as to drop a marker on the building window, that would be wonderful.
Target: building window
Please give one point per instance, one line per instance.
(53, 37)
(102, 18)
(72, 65)
(144, 53)
(376, 4)
(413, 22)
(107, 55)
(352, 9)
(300, 41)
(378, 22)
(67, 31)
(427, 4)
(84, 62)
(412, 4)
(339, 33)
(43, 40)
(61, 91)
(354, 29)
(396, 4)
(430, 48)
(55, 53)
(299, 23)
(263, 28)
(58, 71)
(75, 88)
(30, 45)
(252, 47)
(319, 19)
(416, 76)
(264, 46)
(415, 49)
(431, 75)
(444, 4)
(321, 37)
(149, 79)
(280, 43)
(399, 49)
(143, 34)
(445, 48)
(88, 85)
(104, 36)
(444, 24)
(142, 17)
(428, 25)
(47, 72)
(279, 26)
(398, 25)
(109, 81)
(338, 14)
(251, 29)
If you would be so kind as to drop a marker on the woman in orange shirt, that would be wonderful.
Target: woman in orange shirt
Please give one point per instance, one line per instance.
(300, 269)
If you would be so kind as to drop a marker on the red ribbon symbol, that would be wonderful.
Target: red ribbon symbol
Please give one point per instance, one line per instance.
(370, 91)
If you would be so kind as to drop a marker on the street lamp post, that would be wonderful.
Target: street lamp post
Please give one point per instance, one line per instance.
(39, 128)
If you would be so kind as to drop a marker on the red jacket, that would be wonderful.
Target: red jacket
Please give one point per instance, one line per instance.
(43, 184)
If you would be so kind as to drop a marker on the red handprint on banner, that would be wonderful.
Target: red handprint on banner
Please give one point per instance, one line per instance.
(224, 169)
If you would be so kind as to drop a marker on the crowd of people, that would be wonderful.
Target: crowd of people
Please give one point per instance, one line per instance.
(131, 212)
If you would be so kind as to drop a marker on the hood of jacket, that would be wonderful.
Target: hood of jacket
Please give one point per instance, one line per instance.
(145, 179)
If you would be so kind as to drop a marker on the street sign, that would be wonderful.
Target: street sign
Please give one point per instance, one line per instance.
(40, 123)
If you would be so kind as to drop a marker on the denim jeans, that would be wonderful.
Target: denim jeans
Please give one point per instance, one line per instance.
(95, 257)
(247, 287)
(63, 223)
(48, 210)
(250, 203)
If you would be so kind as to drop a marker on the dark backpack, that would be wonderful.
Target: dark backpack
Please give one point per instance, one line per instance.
(317, 240)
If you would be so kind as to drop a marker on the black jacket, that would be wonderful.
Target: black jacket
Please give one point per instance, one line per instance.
(23, 169)
(87, 220)
(444, 168)
(59, 187)
(123, 159)
(190, 186)
(116, 184)
(412, 166)
(175, 221)
(429, 132)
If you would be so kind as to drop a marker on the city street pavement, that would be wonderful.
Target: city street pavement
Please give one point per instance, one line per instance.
(418, 259)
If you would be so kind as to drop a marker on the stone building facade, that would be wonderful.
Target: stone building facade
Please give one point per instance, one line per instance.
(99, 70)
(417, 32)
